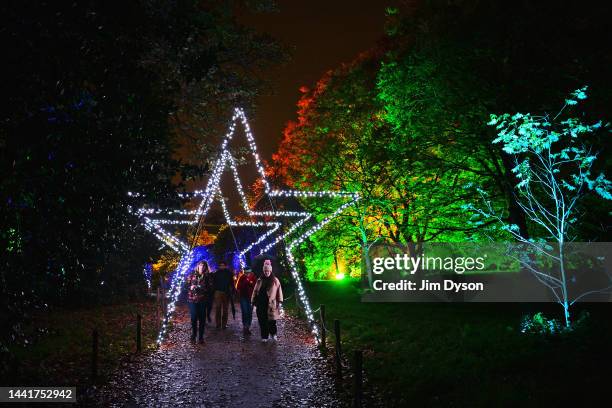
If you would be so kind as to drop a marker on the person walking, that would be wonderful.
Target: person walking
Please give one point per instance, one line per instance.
(223, 285)
(198, 287)
(209, 291)
(267, 298)
(244, 287)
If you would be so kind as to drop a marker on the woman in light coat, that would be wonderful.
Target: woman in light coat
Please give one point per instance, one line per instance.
(267, 298)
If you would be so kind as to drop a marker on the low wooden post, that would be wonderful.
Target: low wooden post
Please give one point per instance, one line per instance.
(138, 333)
(338, 351)
(358, 379)
(323, 331)
(94, 355)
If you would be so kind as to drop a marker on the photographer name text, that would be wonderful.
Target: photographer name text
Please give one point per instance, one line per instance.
(427, 286)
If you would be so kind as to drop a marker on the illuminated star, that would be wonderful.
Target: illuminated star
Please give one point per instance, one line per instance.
(209, 194)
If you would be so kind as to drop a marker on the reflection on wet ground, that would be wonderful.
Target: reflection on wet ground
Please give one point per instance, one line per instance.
(229, 369)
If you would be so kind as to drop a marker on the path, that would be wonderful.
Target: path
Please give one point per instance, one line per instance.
(227, 370)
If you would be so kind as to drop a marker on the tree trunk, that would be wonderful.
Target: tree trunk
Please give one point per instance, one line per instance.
(564, 284)
(336, 262)
(366, 261)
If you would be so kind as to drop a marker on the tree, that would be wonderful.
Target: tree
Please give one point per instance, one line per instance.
(343, 139)
(98, 96)
(330, 147)
(405, 124)
(555, 169)
(449, 64)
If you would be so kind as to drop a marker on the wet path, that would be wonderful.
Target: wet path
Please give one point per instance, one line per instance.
(227, 370)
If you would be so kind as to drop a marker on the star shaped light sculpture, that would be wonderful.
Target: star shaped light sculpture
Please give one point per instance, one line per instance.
(155, 219)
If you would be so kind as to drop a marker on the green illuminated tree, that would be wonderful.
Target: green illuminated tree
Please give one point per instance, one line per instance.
(343, 140)
(405, 124)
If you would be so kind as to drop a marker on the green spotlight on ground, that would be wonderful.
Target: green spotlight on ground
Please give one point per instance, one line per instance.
(339, 276)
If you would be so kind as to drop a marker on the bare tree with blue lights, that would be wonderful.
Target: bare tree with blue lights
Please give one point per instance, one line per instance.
(554, 169)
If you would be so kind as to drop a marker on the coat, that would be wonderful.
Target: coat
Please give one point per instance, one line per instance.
(223, 280)
(245, 285)
(275, 297)
(199, 287)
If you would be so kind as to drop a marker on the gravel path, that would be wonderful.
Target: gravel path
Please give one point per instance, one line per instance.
(227, 370)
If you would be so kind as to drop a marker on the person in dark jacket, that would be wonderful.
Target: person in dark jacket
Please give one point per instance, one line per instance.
(209, 291)
(198, 289)
(223, 284)
(244, 286)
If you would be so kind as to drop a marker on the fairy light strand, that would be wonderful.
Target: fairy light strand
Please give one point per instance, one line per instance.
(208, 194)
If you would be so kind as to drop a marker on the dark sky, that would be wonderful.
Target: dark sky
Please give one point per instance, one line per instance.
(321, 35)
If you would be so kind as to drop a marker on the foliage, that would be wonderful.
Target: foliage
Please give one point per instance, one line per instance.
(165, 264)
(436, 144)
(324, 149)
(540, 324)
(553, 157)
(554, 168)
(98, 98)
(405, 124)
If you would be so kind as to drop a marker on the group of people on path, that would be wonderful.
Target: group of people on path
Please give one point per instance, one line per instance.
(207, 290)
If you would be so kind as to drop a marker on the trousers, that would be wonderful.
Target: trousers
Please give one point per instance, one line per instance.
(198, 314)
(247, 312)
(266, 326)
(221, 309)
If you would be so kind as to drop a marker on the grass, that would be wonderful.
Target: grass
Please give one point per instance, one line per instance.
(467, 354)
(59, 351)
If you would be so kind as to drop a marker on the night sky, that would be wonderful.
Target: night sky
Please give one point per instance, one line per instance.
(321, 35)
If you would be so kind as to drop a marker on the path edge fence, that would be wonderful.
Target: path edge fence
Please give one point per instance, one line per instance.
(95, 346)
(357, 361)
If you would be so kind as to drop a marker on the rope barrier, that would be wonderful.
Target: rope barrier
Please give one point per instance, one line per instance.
(316, 321)
(326, 329)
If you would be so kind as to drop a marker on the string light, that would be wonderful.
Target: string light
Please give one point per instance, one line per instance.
(148, 274)
(208, 195)
(275, 226)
